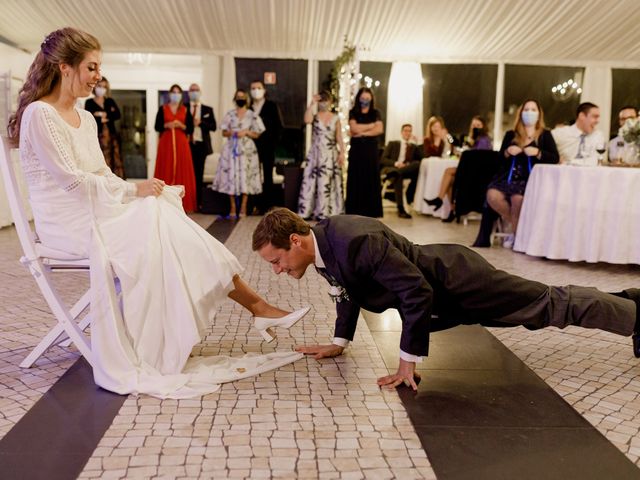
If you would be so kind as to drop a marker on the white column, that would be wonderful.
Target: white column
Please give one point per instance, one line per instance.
(596, 89)
(312, 88)
(404, 99)
(210, 87)
(499, 108)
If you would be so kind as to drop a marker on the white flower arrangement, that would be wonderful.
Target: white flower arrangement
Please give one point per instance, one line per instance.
(630, 131)
(338, 293)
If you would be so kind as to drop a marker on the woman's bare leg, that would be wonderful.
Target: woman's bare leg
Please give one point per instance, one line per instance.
(243, 204)
(249, 299)
(516, 206)
(497, 201)
(232, 205)
(446, 184)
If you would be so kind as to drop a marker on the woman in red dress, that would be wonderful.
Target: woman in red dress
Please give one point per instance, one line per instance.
(173, 162)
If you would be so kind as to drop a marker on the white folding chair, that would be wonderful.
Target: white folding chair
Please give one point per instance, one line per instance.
(42, 262)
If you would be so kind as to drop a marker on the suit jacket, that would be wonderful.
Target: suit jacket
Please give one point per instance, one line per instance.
(392, 150)
(270, 115)
(381, 269)
(207, 125)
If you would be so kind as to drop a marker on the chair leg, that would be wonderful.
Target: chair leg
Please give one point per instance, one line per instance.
(66, 322)
(80, 306)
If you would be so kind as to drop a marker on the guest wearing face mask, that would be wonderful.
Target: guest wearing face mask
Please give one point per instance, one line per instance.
(527, 144)
(238, 172)
(173, 161)
(321, 189)
(204, 122)
(363, 173)
(106, 112)
(267, 142)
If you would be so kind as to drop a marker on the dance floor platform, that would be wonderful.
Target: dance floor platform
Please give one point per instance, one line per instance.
(492, 403)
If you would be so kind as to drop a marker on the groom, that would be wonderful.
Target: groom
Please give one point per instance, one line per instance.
(371, 266)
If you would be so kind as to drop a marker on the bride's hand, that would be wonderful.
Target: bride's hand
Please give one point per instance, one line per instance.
(146, 188)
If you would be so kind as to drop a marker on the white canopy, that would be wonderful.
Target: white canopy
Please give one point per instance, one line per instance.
(518, 31)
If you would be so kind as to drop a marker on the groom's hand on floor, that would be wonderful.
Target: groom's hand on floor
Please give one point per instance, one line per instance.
(321, 351)
(406, 374)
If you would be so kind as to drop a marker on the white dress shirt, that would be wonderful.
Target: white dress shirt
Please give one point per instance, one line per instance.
(197, 131)
(343, 342)
(577, 147)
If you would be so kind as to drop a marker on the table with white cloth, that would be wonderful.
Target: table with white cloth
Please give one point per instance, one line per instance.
(429, 179)
(580, 213)
(5, 212)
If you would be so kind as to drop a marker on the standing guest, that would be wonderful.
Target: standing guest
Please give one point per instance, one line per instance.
(266, 143)
(527, 144)
(172, 274)
(400, 160)
(321, 189)
(238, 172)
(579, 142)
(106, 112)
(617, 144)
(363, 172)
(436, 138)
(478, 139)
(204, 122)
(173, 162)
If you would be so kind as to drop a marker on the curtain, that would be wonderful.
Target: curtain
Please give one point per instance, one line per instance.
(596, 89)
(404, 99)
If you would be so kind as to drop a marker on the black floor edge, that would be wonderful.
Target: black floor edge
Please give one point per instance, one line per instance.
(482, 413)
(58, 435)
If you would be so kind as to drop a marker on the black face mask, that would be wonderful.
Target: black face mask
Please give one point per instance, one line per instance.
(476, 132)
(241, 102)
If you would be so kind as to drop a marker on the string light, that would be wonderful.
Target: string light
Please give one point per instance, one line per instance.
(564, 91)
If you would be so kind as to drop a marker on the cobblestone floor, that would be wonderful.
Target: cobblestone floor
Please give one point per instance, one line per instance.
(311, 419)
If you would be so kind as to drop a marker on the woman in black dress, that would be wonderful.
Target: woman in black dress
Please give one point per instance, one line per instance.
(106, 112)
(363, 173)
(527, 144)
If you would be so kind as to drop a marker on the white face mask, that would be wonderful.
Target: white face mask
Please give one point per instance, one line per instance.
(175, 97)
(257, 93)
(100, 91)
(529, 117)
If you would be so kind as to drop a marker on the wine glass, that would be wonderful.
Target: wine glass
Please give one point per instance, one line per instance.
(601, 149)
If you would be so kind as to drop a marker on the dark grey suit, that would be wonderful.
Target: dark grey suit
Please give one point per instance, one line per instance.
(381, 269)
(413, 155)
(201, 149)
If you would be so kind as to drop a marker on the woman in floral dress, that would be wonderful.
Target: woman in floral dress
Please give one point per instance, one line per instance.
(239, 172)
(321, 190)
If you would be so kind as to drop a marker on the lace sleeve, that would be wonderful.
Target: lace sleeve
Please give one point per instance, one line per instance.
(51, 145)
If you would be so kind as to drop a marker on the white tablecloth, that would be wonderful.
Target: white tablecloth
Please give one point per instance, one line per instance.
(5, 213)
(581, 214)
(428, 186)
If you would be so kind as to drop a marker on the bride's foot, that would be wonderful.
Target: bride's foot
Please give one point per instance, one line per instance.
(434, 202)
(265, 324)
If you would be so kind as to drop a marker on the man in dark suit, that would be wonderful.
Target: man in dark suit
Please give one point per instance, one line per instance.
(400, 160)
(204, 122)
(371, 266)
(267, 142)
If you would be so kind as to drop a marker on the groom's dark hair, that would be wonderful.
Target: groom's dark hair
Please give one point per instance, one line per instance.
(276, 227)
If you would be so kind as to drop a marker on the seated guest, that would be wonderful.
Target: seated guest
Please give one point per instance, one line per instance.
(527, 144)
(617, 144)
(436, 142)
(400, 160)
(578, 143)
(478, 139)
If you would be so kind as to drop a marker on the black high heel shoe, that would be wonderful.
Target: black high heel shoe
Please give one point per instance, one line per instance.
(452, 216)
(434, 202)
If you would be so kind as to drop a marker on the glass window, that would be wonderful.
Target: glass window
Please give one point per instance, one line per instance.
(131, 127)
(625, 92)
(458, 92)
(540, 83)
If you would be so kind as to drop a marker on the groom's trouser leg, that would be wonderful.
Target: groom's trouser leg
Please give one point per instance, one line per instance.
(486, 294)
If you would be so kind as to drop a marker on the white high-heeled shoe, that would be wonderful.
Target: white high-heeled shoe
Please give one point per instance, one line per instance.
(262, 323)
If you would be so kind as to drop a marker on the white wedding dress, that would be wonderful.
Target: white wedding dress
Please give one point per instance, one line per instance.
(172, 274)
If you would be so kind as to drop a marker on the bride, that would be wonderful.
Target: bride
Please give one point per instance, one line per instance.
(172, 274)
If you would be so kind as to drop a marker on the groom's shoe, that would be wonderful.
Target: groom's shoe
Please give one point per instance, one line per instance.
(263, 323)
(634, 294)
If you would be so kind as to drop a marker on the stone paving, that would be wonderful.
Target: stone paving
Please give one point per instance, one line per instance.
(311, 419)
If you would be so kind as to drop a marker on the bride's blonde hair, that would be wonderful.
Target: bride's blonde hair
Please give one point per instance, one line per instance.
(67, 45)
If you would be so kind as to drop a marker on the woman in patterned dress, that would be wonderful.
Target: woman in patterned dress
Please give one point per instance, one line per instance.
(239, 168)
(321, 190)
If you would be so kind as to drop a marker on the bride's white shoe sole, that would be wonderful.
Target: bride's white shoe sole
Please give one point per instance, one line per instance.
(263, 323)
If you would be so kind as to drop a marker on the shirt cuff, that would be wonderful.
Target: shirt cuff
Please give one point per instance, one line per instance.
(341, 342)
(131, 191)
(407, 357)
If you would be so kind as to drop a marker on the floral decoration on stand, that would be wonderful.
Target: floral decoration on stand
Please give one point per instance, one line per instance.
(630, 132)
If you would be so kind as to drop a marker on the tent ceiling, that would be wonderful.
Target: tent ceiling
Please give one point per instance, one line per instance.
(547, 31)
